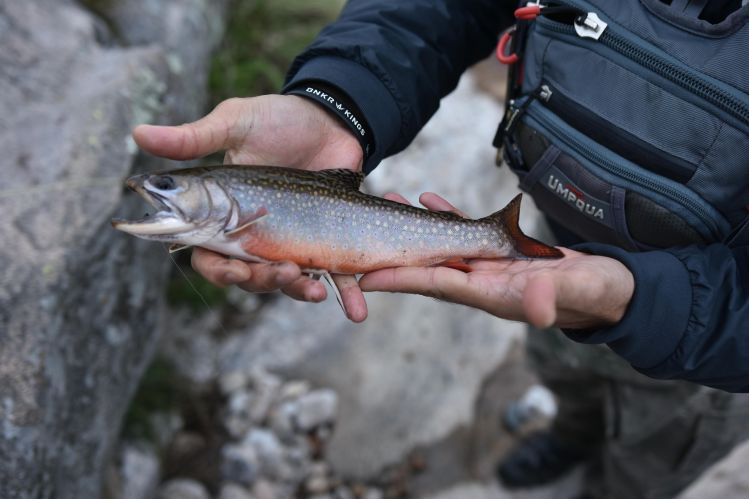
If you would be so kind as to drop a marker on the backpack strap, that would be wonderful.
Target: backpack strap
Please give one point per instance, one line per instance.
(740, 235)
(689, 8)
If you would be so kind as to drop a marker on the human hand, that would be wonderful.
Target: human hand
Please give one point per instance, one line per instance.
(278, 130)
(577, 291)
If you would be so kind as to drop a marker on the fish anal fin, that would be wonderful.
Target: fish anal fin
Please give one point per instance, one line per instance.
(345, 177)
(457, 264)
(508, 219)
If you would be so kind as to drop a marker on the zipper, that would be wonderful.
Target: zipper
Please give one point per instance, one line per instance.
(514, 112)
(590, 26)
(616, 139)
(612, 167)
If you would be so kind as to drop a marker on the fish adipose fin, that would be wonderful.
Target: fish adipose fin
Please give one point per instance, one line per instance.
(349, 179)
(508, 218)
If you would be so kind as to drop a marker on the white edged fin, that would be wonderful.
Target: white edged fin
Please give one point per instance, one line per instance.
(329, 279)
(173, 248)
(244, 226)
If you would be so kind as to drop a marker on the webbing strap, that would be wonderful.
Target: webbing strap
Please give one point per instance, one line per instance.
(689, 8)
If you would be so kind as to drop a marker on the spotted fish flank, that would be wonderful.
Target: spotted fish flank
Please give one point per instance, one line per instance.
(319, 220)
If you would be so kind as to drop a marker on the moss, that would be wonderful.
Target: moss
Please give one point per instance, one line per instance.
(160, 391)
(262, 38)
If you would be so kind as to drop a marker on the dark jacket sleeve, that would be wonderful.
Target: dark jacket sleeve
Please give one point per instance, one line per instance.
(689, 316)
(397, 59)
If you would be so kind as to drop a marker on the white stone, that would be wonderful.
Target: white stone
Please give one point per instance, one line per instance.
(317, 408)
(183, 488)
(140, 472)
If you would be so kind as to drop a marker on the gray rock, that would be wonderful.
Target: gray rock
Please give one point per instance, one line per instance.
(269, 451)
(139, 472)
(79, 303)
(183, 488)
(282, 420)
(266, 387)
(232, 381)
(264, 489)
(316, 408)
(237, 420)
(727, 478)
(239, 463)
(233, 491)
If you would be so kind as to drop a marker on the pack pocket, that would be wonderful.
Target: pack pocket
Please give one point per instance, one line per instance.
(603, 197)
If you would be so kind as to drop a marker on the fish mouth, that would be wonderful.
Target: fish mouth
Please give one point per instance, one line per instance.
(166, 220)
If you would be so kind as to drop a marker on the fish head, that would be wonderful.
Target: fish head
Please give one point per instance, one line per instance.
(191, 208)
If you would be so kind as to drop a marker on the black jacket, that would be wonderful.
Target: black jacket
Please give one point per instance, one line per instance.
(689, 316)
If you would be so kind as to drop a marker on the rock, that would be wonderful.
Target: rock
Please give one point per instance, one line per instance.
(237, 420)
(183, 488)
(269, 451)
(294, 389)
(239, 463)
(264, 489)
(139, 472)
(317, 485)
(232, 381)
(80, 304)
(233, 491)
(282, 420)
(266, 387)
(726, 478)
(316, 408)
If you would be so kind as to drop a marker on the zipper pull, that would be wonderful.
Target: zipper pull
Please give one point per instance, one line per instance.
(589, 25)
(515, 113)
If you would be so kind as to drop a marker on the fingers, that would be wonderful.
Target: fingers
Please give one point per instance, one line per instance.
(354, 303)
(539, 301)
(437, 282)
(437, 203)
(394, 196)
(218, 269)
(214, 132)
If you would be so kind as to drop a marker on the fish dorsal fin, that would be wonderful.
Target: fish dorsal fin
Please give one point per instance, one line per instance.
(507, 219)
(343, 176)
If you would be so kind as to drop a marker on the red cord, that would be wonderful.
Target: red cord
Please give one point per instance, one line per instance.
(502, 46)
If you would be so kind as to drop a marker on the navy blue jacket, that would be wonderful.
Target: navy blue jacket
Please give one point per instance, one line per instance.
(689, 314)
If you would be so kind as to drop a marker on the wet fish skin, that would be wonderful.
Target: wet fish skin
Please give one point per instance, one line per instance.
(322, 221)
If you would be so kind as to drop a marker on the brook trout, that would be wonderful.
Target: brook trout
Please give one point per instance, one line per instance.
(319, 220)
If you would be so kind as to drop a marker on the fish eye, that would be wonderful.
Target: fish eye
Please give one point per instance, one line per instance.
(164, 183)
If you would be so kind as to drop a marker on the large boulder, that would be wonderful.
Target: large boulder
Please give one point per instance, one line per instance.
(79, 303)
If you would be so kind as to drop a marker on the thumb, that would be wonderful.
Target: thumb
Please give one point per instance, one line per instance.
(217, 131)
(539, 301)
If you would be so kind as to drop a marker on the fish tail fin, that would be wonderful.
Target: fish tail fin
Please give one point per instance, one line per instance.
(507, 218)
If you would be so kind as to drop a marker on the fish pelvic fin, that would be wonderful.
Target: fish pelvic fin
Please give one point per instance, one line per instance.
(457, 264)
(508, 220)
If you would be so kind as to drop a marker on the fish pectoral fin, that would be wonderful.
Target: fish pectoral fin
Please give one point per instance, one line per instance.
(457, 264)
(248, 221)
(173, 248)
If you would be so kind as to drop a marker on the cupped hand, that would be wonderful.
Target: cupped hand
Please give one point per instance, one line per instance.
(577, 291)
(277, 130)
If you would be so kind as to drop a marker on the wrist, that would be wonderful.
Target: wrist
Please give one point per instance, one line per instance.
(338, 104)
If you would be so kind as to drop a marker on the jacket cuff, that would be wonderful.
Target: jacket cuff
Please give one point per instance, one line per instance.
(658, 314)
(365, 90)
